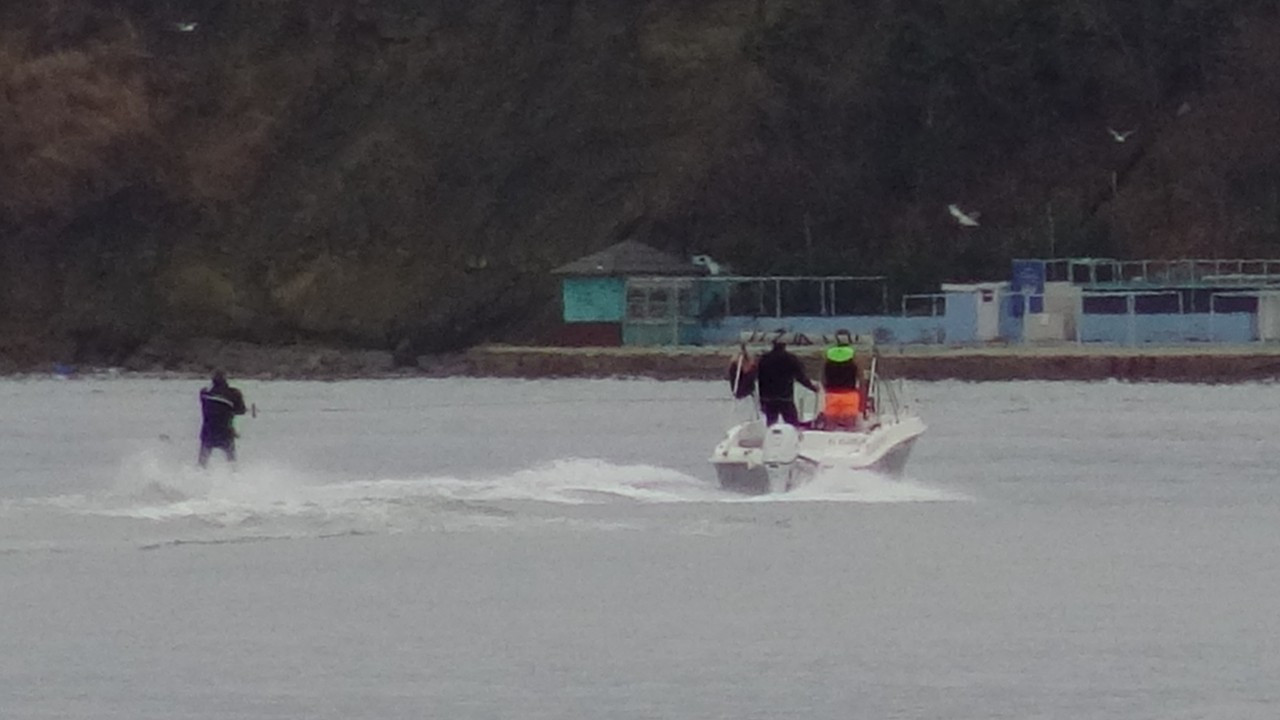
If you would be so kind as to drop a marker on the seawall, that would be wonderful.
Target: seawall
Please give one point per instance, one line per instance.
(1195, 364)
(1213, 364)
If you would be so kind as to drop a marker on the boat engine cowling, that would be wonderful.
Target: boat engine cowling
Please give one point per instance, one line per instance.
(781, 444)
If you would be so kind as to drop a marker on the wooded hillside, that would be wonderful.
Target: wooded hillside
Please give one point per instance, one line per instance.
(404, 173)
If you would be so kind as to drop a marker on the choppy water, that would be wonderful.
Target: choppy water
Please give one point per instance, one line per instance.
(558, 549)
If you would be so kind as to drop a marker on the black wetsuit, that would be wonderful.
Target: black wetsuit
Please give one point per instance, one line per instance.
(776, 376)
(219, 405)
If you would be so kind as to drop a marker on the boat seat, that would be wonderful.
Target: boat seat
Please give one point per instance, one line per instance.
(751, 437)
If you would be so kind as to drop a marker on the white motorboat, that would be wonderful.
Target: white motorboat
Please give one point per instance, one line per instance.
(756, 459)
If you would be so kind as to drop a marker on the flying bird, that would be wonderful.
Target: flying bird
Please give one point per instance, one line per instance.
(713, 267)
(969, 219)
(186, 27)
(1121, 136)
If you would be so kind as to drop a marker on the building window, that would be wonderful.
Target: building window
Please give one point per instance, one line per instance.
(637, 303)
(659, 303)
(1105, 305)
(653, 299)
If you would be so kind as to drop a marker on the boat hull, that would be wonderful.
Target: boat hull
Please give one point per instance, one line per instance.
(739, 477)
(757, 460)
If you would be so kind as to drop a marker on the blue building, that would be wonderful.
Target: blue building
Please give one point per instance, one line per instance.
(631, 294)
(1132, 302)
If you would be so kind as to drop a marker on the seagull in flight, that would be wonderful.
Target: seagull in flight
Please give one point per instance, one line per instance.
(713, 267)
(1121, 136)
(186, 27)
(969, 219)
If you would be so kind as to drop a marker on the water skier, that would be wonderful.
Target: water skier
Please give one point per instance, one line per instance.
(219, 404)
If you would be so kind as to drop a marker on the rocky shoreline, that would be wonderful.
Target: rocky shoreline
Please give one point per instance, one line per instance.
(1196, 364)
(198, 357)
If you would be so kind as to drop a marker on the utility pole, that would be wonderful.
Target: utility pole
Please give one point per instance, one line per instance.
(808, 243)
(1048, 208)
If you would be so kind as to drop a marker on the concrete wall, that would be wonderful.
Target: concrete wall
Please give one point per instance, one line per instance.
(594, 299)
(1198, 364)
(585, 334)
(649, 334)
(885, 329)
(1168, 328)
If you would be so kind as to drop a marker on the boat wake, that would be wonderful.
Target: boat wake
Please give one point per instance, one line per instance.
(150, 486)
(865, 486)
(158, 500)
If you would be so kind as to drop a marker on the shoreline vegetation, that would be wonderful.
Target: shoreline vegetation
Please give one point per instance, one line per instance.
(1192, 364)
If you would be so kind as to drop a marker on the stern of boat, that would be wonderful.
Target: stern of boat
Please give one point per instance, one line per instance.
(757, 460)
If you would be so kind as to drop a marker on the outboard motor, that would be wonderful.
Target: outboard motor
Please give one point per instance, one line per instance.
(781, 444)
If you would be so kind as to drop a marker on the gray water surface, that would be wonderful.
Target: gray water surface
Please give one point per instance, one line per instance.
(558, 549)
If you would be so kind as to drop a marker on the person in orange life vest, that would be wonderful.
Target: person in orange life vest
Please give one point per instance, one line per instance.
(840, 381)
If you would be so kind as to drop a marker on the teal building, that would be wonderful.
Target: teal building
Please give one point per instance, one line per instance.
(628, 294)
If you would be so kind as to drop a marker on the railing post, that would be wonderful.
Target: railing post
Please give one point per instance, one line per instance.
(1131, 305)
(1026, 312)
(1213, 297)
(1079, 317)
(1257, 315)
(674, 294)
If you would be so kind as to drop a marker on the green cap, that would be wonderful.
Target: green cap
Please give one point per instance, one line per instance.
(840, 353)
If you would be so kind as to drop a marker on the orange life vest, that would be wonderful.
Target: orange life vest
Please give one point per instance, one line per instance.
(843, 405)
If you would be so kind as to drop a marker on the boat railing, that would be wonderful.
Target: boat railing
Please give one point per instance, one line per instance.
(747, 407)
(885, 397)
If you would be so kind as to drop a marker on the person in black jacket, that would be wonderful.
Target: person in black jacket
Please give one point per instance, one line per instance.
(219, 404)
(777, 372)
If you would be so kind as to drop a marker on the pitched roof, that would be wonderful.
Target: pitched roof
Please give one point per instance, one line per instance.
(629, 258)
